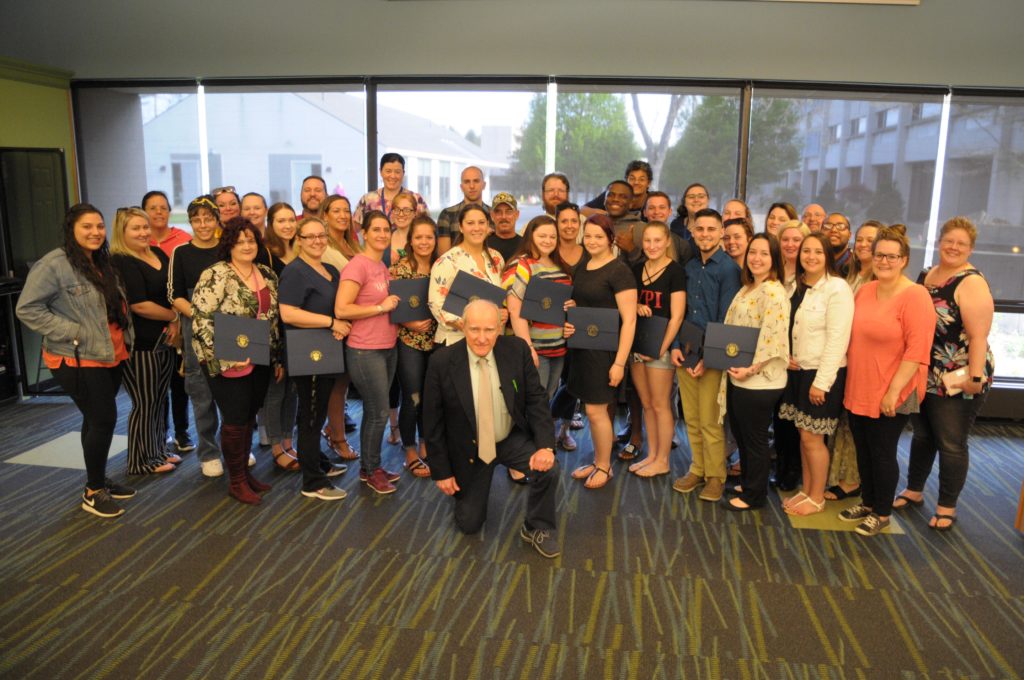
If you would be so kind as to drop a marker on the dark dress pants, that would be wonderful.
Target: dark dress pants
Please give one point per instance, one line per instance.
(514, 452)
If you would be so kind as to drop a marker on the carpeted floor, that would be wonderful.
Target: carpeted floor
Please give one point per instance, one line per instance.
(651, 584)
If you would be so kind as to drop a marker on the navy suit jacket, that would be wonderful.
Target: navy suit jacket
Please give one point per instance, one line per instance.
(449, 415)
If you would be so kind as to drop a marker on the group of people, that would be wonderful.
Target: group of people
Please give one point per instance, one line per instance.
(848, 349)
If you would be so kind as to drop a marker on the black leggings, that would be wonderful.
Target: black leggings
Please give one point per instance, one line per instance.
(94, 391)
(239, 399)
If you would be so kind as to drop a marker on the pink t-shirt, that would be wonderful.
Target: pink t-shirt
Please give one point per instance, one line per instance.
(885, 333)
(375, 332)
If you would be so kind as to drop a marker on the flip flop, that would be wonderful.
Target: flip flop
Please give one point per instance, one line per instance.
(291, 463)
(418, 468)
(840, 494)
(630, 451)
(907, 502)
(938, 517)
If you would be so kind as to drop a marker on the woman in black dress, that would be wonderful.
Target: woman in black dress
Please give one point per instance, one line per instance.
(147, 376)
(594, 375)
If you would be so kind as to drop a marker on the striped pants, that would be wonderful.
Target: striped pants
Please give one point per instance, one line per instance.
(147, 376)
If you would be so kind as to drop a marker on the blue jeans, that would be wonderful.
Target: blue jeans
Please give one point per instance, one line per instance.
(412, 369)
(279, 410)
(199, 394)
(942, 427)
(372, 371)
(550, 370)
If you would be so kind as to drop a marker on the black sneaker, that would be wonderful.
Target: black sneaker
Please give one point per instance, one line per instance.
(543, 541)
(119, 491)
(101, 504)
(872, 525)
(183, 443)
(855, 513)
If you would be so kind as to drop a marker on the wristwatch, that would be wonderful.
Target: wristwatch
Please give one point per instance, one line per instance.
(977, 379)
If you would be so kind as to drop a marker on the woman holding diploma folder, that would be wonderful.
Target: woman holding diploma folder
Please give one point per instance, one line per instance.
(415, 343)
(364, 299)
(471, 256)
(594, 375)
(237, 286)
(309, 288)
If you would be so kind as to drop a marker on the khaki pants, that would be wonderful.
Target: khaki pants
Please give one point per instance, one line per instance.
(700, 410)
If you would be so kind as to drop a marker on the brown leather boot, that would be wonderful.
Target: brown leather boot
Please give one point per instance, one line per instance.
(234, 443)
(255, 484)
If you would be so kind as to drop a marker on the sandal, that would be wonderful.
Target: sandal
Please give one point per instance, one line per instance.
(793, 500)
(607, 472)
(630, 451)
(418, 467)
(172, 458)
(907, 502)
(584, 471)
(839, 494)
(291, 463)
(340, 447)
(938, 517)
(818, 507)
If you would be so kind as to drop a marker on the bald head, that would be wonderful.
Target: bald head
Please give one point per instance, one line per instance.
(814, 217)
(482, 325)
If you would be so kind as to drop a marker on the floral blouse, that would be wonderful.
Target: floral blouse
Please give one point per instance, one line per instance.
(949, 349)
(221, 290)
(424, 342)
(766, 307)
(443, 273)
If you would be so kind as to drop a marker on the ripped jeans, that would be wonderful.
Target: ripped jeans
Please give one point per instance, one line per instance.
(412, 368)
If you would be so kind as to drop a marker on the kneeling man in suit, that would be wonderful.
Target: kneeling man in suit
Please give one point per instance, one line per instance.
(483, 404)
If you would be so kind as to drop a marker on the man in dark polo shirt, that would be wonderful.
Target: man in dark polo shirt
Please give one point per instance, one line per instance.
(472, 184)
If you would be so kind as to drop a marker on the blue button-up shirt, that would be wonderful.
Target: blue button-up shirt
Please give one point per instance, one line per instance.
(710, 287)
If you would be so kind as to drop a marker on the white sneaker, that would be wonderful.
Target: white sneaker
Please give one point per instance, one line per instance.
(212, 468)
(252, 460)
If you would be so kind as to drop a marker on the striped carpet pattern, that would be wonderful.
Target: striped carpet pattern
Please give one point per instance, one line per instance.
(651, 584)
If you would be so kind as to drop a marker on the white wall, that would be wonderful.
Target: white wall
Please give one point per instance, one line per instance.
(944, 42)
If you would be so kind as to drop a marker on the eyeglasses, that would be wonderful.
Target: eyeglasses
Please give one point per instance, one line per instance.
(695, 197)
(835, 226)
(403, 211)
(313, 237)
(222, 190)
(887, 257)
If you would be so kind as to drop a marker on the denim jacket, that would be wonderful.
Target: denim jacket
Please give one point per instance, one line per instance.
(67, 310)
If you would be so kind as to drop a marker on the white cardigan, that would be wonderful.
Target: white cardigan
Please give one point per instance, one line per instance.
(821, 329)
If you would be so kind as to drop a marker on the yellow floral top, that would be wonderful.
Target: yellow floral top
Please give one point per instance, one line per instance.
(765, 306)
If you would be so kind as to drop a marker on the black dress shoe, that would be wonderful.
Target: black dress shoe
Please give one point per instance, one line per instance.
(735, 508)
(623, 436)
(350, 425)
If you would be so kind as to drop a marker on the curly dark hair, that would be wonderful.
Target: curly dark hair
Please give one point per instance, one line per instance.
(232, 231)
(95, 267)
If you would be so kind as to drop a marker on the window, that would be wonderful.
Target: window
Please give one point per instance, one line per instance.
(268, 139)
(887, 118)
(459, 127)
(924, 110)
(984, 180)
(866, 174)
(424, 175)
(858, 126)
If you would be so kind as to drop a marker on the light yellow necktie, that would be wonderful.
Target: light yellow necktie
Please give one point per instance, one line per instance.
(485, 414)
